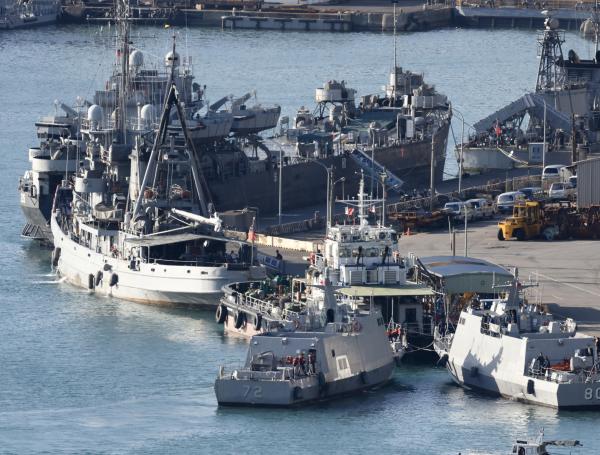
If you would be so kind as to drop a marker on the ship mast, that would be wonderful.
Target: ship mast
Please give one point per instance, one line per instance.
(122, 18)
(395, 56)
(550, 51)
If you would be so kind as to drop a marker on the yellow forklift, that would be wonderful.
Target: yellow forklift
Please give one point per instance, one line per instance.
(527, 222)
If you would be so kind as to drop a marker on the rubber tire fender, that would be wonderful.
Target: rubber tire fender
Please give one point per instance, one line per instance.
(240, 318)
(221, 314)
(99, 276)
(114, 279)
(296, 393)
(91, 281)
(55, 257)
(364, 377)
(257, 322)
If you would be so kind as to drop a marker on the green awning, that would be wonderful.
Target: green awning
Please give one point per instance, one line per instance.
(408, 290)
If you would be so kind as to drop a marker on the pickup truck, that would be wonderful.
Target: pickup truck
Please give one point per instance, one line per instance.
(482, 208)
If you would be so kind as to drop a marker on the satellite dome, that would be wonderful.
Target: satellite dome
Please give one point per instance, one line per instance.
(95, 113)
(147, 113)
(172, 58)
(136, 59)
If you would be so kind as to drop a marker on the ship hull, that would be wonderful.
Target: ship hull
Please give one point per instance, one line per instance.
(150, 283)
(232, 392)
(484, 159)
(411, 162)
(546, 393)
(304, 184)
(17, 22)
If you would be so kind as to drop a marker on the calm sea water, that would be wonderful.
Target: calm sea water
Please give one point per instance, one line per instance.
(82, 374)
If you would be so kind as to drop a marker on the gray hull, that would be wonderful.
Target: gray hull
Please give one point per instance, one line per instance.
(37, 225)
(232, 392)
(545, 393)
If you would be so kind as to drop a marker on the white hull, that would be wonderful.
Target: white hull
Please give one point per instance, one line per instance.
(152, 283)
(499, 364)
(546, 393)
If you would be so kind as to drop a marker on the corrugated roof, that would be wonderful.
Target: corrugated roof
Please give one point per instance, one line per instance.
(447, 266)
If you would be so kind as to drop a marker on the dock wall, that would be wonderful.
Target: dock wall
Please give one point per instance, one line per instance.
(488, 14)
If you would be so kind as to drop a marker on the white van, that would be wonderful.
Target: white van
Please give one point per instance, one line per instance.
(552, 173)
(506, 201)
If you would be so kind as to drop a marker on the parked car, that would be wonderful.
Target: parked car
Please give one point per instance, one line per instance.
(551, 173)
(533, 193)
(561, 191)
(458, 210)
(506, 201)
(482, 208)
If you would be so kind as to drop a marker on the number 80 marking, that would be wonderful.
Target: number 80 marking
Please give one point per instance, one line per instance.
(589, 394)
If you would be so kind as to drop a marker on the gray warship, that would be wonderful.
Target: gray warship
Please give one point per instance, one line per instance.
(397, 132)
(517, 350)
(28, 13)
(562, 115)
(402, 131)
(348, 354)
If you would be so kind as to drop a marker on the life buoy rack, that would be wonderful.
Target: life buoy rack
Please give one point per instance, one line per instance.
(221, 314)
(240, 318)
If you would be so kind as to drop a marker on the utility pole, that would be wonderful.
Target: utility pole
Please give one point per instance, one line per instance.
(460, 164)
(466, 238)
(573, 140)
(432, 172)
(280, 182)
(544, 145)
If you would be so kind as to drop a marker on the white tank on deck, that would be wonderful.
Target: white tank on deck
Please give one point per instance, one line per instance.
(95, 114)
(136, 59)
(172, 58)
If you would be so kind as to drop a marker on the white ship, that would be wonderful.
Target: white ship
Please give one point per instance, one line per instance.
(518, 351)
(136, 223)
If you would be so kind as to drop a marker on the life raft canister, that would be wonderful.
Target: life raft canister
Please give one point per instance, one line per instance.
(221, 314)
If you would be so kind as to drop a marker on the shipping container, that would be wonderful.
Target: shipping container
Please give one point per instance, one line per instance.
(588, 183)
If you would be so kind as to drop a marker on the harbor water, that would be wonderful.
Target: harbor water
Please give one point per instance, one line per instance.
(83, 374)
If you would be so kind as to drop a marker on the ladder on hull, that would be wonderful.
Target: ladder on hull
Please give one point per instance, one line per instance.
(374, 169)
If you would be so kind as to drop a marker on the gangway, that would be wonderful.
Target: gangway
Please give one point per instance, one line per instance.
(531, 103)
(373, 169)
